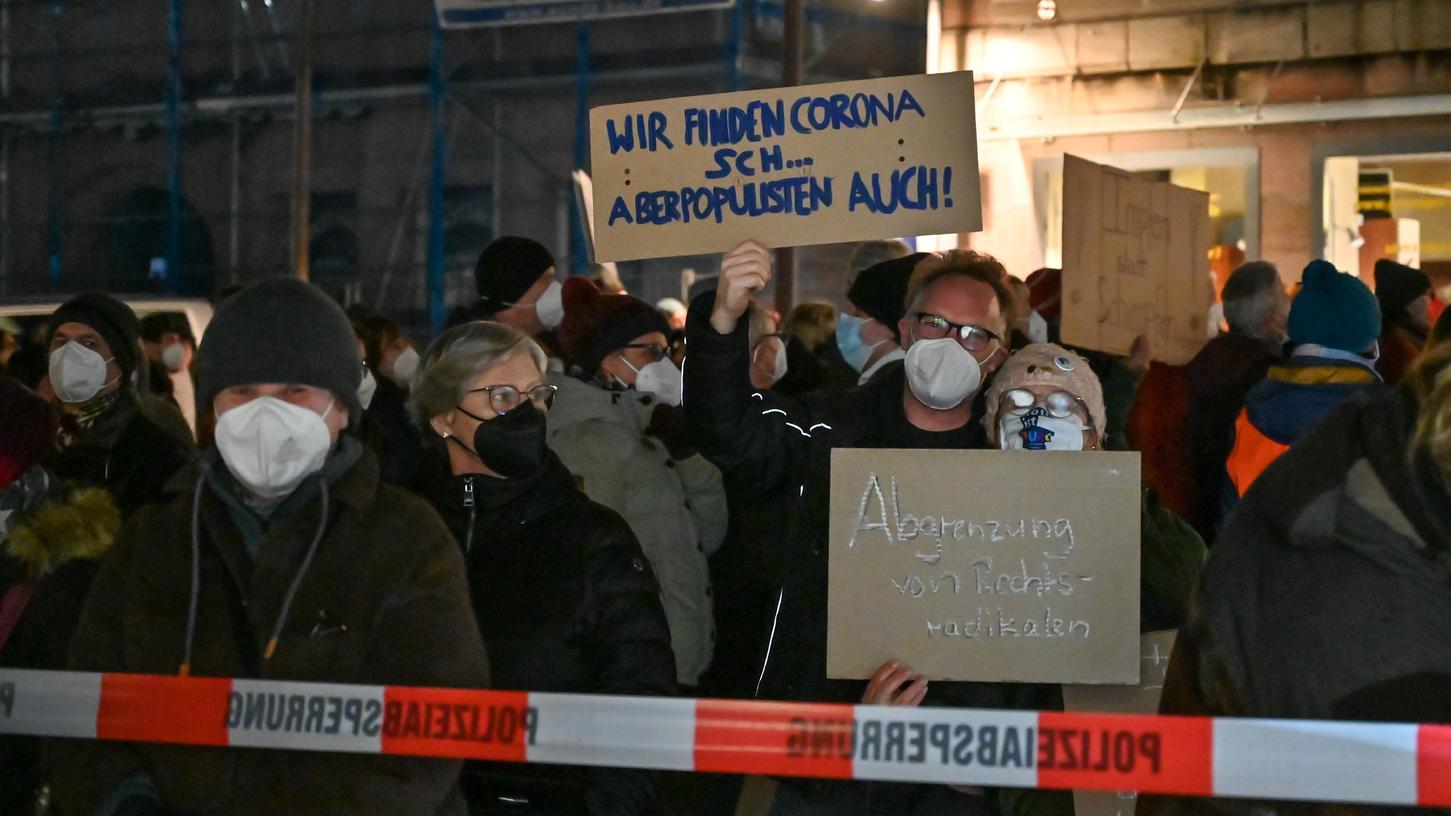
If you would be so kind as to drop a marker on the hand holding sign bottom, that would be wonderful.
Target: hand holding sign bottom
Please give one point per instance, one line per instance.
(744, 270)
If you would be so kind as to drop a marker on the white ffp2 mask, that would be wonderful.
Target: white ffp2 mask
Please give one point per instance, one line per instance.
(77, 373)
(271, 446)
(405, 366)
(660, 379)
(550, 306)
(173, 357)
(367, 388)
(941, 373)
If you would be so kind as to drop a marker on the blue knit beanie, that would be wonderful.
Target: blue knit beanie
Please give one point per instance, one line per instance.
(1334, 310)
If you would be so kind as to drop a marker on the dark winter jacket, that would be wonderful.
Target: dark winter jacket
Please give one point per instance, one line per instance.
(1219, 377)
(567, 603)
(49, 559)
(1292, 398)
(126, 453)
(384, 602)
(1328, 594)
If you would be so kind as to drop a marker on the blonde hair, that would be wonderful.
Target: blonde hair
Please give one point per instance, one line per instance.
(1430, 381)
(811, 323)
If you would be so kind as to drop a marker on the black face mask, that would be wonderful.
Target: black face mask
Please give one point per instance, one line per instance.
(512, 444)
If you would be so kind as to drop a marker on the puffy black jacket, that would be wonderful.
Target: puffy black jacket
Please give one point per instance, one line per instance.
(567, 603)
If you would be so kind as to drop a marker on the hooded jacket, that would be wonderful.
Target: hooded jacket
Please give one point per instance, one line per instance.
(1292, 397)
(675, 507)
(50, 557)
(567, 603)
(383, 602)
(1328, 594)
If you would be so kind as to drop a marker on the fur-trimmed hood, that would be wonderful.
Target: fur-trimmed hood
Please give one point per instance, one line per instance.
(81, 523)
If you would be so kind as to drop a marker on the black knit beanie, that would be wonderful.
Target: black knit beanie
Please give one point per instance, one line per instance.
(111, 319)
(507, 268)
(880, 290)
(281, 330)
(1397, 286)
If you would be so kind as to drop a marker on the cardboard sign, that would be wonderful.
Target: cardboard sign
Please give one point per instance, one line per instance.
(1135, 262)
(985, 565)
(1155, 648)
(789, 166)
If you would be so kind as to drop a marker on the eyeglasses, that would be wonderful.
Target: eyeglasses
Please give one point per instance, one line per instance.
(975, 339)
(656, 351)
(505, 398)
(1060, 404)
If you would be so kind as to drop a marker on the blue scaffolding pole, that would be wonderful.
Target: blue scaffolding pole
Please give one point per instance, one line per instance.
(52, 152)
(579, 256)
(436, 90)
(734, 54)
(173, 149)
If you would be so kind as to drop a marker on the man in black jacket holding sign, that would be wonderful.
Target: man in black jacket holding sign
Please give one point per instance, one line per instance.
(958, 307)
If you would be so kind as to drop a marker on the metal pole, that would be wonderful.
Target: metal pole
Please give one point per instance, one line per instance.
(436, 282)
(580, 254)
(173, 149)
(794, 42)
(234, 197)
(52, 151)
(302, 145)
(5, 149)
(737, 74)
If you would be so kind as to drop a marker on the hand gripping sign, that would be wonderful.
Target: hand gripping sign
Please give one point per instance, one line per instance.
(1194, 756)
(786, 166)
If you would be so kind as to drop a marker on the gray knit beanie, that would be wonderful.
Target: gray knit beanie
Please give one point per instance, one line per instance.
(281, 330)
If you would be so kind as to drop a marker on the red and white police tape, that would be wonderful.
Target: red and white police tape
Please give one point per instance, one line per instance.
(1269, 759)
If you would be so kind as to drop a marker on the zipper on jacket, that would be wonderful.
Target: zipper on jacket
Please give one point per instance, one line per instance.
(473, 513)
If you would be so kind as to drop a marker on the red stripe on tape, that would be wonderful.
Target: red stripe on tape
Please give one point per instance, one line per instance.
(494, 725)
(1126, 753)
(781, 739)
(1433, 766)
(143, 708)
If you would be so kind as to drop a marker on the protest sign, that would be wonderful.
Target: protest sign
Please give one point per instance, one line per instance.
(1135, 262)
(1155, 648)
(985, 565)
(787, 166)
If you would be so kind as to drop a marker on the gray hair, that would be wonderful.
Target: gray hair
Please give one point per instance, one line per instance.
(459, 355)
(870, 253)
(1249, 295)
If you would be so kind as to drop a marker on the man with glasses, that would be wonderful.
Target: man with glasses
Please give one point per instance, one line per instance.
(615, 427)
(956, 314)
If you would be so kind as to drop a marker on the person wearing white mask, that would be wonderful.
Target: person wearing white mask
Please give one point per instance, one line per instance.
(768, 350)
(167, 339)
(955, 316)
(390, 363)
(106, 439)
(616, 427)
(517, 286)
(280, 555)
(868, 333)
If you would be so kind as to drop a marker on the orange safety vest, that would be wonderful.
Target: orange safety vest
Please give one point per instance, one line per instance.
(1252, 453)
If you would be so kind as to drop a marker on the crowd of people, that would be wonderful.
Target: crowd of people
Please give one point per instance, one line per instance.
(572, 490)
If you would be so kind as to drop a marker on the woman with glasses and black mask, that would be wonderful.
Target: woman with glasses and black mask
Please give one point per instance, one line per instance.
(563, 593)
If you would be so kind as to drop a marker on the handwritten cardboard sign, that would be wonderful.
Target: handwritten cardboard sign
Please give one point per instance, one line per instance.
(985, 565)
(1135, 262)
(788, 166)
(1154, 651)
